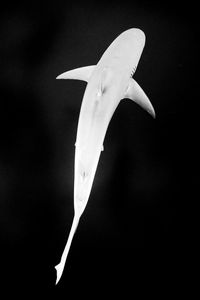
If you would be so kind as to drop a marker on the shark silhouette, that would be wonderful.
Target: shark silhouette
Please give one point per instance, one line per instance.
(108, 83)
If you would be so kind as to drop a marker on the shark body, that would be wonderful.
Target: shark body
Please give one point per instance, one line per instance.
(109, 82)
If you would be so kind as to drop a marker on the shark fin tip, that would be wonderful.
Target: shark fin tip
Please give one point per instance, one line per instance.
(152, 113)
(59, 77)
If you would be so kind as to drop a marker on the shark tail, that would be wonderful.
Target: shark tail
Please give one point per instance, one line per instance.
(60, 267)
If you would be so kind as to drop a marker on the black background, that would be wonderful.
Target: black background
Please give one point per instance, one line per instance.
(135, 236)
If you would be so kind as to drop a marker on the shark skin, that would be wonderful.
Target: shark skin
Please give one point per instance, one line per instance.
(108, 83)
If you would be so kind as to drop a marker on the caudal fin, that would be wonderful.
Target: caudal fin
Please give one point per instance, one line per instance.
(59, 270)
(60, 267)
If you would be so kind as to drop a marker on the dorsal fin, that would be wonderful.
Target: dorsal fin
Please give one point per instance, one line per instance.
(135, 93)
(83, 73)
(106, 77)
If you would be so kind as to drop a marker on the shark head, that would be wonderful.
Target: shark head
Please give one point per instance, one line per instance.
(125, 51)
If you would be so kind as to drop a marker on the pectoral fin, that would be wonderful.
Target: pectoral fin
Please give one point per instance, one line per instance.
(83, 73)
(135, 93)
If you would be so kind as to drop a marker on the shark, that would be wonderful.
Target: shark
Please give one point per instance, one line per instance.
(108, 82)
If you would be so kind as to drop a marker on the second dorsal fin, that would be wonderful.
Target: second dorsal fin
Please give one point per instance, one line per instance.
(83, 73)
